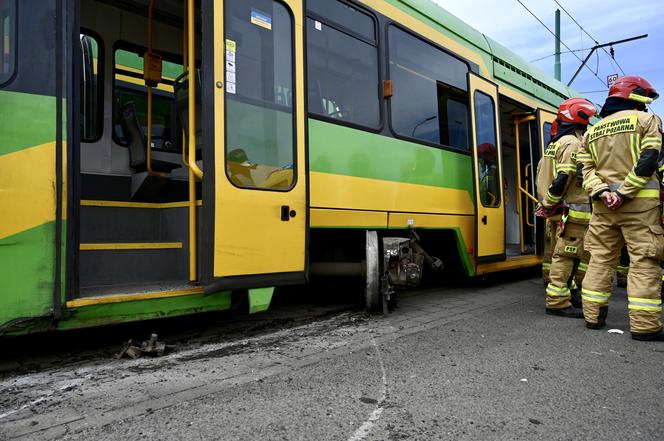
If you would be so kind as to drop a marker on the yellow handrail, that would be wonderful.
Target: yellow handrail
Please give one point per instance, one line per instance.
(194, 170)
(528, 221)
(191, 68)
(518, 121)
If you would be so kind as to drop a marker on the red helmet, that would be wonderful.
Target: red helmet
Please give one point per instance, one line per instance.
(576, 111)
(486, 151)
(634, 88)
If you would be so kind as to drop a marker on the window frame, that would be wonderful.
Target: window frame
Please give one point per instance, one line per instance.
(377, 44)
(13, 42)
(393, 132)
(101, 83)
(499, 152)
(139, 50)
(296, 140)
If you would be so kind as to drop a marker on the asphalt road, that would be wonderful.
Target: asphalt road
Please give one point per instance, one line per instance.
(477, 362)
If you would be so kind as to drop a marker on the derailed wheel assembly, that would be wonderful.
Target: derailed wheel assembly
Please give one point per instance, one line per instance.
(393, 263)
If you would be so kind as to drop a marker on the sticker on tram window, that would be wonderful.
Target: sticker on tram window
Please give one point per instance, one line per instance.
(318, 25)
(230, 77)
(230, 66)
(230, 56)
(260, 19)
(230, 88)
(231, 46)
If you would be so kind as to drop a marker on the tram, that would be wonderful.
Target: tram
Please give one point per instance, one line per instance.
(169, 157)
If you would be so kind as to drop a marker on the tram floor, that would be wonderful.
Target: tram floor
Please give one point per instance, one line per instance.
(474, 361)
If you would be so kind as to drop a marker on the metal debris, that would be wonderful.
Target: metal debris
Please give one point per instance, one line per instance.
(137, 349)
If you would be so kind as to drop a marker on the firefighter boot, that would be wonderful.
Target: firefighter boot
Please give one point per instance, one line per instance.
(648, 336)
(601, 319)
(570, 312)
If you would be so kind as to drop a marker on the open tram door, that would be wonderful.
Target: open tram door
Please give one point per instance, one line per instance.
(488, 171)
(260, 181)
(545, 121)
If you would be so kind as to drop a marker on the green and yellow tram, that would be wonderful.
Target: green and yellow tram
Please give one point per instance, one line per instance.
(165, 157)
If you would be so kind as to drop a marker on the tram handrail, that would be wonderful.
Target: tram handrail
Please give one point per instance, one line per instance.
(528, 218)
(190, 158)
(518, 121)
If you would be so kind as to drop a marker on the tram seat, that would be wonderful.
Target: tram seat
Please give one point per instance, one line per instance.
(137, 141)
(181, 88)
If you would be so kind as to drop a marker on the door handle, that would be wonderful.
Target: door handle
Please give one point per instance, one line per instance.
(484, 219)
(287, 213)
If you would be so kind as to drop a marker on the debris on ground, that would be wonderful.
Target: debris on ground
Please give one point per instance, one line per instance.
(146, 347)
(615, 331)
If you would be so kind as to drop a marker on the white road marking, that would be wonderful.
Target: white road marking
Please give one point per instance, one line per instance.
(364, 430)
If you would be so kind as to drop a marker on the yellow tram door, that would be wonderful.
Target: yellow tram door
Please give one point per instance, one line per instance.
(489, 198)
(545, 121)
(260, 183)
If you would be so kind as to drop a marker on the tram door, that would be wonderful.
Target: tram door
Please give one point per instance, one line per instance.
(545, 121)
(488, 170)
(260, 184)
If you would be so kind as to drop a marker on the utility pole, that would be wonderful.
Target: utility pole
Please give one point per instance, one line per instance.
(598, 46)
(556, 66)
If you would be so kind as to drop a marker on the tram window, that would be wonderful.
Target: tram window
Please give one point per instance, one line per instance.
(430, 92)
(91, 89)
(8, 41)
(260, 136)
(129, 88)
(350, 18)
(487, 153)
(342, 74)
(547, 133)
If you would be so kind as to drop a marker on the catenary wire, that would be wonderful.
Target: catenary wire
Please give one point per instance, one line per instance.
(561, 41)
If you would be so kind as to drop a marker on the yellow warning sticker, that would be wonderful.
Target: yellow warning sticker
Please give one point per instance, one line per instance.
(231, 46)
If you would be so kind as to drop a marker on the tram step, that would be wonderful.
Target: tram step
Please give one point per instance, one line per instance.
(103, 221)
(108, 264)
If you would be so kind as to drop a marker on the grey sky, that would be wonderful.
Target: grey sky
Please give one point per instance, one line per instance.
(510, 24)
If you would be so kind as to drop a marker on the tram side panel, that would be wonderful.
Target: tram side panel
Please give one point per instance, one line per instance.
(28, 140)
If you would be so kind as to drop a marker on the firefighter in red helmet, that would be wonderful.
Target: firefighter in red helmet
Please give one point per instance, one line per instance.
(558, 187)
(619, 156)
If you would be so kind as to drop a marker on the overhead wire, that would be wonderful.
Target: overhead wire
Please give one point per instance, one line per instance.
(612, 58)
(561, 41)
(553, 55)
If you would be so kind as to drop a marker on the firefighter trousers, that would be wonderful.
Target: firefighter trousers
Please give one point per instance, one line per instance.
(568, 251)
(550, 238)
(643, 235)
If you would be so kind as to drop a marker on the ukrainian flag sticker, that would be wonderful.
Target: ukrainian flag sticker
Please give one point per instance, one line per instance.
(260, 19)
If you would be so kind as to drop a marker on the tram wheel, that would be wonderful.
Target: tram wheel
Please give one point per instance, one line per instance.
(372, 291)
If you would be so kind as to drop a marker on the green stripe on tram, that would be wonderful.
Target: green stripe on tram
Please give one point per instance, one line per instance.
(341, 150)
(26, 120)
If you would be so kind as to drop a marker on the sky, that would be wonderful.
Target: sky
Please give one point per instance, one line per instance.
(507, 22)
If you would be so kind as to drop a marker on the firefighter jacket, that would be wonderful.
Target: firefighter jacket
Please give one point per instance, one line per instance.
(556, 178)
(620, 154)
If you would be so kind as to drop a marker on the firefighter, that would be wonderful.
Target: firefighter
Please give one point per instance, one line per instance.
(557, 174)
(619, 156)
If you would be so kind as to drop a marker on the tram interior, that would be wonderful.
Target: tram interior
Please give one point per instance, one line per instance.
(518, 168)
(133, 221)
